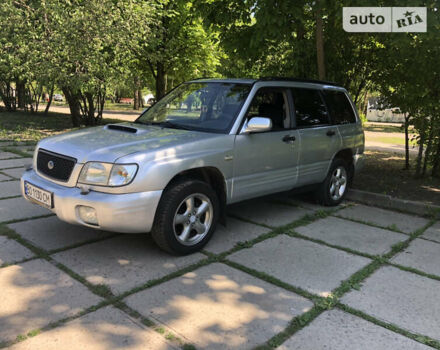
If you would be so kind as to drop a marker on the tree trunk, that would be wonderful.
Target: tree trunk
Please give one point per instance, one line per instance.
(21, 94)
(46, 111)
(161, 81)
(436, 165)
(7, 96)
(428, 146)
(320, 41)
(74, 105)
(406, 141)
(140, 99)
(136, 102)
(91, 120)
(421, 144)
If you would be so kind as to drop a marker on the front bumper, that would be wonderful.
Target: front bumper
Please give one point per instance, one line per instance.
(127, 213)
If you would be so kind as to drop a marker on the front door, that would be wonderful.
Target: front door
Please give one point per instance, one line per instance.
(266, 162)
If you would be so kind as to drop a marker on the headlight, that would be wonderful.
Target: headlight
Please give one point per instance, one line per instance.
(106, 174)
(122, 174)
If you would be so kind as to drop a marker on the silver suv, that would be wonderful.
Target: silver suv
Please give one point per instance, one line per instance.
(206, 144)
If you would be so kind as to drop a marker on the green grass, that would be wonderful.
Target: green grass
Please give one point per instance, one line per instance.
(389, 139)
(384, 173)
(386, 128)
(31, 127)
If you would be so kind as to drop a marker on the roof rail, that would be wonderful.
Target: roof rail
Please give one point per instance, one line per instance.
(300, 80)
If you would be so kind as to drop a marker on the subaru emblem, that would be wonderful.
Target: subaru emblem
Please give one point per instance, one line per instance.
(50, 165)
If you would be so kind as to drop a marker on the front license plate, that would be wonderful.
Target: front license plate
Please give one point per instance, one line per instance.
(37, 194)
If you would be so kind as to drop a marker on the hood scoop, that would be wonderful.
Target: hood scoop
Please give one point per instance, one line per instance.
(122, 128)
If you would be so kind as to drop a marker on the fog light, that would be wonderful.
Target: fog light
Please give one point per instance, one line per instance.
(88, 215)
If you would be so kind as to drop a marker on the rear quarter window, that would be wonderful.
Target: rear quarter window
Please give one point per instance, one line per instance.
(339, 106)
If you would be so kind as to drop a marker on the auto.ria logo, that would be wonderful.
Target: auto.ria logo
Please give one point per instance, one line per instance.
(384, 19)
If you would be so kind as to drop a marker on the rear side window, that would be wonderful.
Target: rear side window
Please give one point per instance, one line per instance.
(339, 107)
(310, 109)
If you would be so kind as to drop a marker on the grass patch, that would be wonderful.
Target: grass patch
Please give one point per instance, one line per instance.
(16, 151)
(386, 128)
(389, 139)
(25, 126)
(384, 173)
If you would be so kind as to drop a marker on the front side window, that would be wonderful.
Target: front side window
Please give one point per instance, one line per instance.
(339, 107)
(309, 107)
(271, 103)
(204, 106)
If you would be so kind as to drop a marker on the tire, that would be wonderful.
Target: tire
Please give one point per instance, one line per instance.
(334, 188)
(186, 217)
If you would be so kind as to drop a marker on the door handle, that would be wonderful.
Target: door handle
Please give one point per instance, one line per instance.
(331, 133)
(289, 139)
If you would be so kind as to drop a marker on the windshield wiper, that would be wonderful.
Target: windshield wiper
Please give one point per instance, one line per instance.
(165, 124)
(168, 124)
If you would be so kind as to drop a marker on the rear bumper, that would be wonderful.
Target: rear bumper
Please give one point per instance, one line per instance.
(127, 213)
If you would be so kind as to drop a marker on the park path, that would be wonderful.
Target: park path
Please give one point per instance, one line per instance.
(128, 116)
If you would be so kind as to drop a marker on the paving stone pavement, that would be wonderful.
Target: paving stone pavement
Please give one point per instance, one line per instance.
(105, 329)
(10, 189)
(34, 294)
(338, 330)
(306, 200)
(235, 231)
(4, 178)
(14, 163)
(123, 262)
(385, 218)
(19, 208)
(14, 172)
(11, 251)
(433, 232)
(52, 233)
(218, 307)
(348, 234)
(307, 265)
(268, 213)
(27, 149)
(7, 155)
(403, 298)
(421, 255)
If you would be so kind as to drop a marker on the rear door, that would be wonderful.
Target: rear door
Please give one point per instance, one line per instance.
(319, 139)
(343, 115)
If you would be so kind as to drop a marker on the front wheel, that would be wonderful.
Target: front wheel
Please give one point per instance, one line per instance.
(334, 188)
(186, 217)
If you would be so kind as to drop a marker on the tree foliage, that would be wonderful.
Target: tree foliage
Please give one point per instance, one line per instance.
(93, 49)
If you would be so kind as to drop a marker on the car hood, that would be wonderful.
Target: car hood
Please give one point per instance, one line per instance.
(113, 141)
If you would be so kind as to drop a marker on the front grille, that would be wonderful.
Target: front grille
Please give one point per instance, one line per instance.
(54, 165)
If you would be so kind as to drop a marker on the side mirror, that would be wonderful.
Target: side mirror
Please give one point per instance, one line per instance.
(257, 124)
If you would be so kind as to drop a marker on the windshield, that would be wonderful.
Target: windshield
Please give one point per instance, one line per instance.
(200, 106)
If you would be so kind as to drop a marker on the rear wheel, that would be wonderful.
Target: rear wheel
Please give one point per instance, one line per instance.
(334, 188)
(186, 217)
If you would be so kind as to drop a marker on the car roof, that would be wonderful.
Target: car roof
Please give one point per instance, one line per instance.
(224, 80)
(307, 82)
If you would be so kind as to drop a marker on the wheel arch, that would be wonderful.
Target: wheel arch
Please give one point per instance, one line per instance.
(346, 155)
(211, 175)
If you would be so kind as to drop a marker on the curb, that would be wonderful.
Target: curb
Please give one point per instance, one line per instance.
(388, 202)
